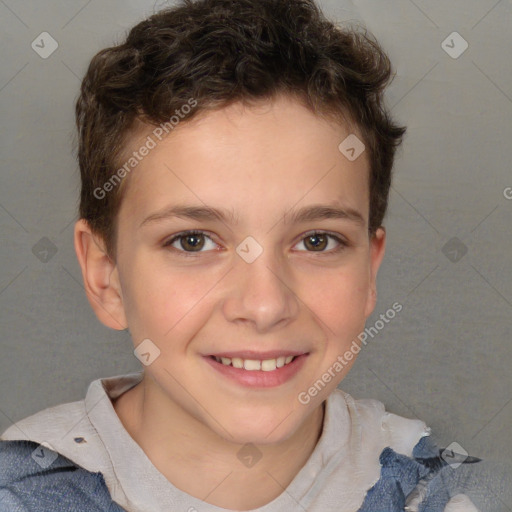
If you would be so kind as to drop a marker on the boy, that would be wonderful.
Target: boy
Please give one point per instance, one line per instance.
(235, 161)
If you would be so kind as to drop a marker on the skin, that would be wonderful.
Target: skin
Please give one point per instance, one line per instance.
(261, 162)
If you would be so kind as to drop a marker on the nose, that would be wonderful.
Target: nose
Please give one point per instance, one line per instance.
(261, 294)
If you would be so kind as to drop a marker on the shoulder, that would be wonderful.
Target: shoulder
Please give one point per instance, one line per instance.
(66, 429)
(23, 460)
(35, 478)
(414, 472)
(378, 428)
(46, 423)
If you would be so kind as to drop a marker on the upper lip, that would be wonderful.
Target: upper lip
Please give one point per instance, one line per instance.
(256, 355)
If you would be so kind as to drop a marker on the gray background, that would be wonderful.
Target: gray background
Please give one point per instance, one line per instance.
(446, 358)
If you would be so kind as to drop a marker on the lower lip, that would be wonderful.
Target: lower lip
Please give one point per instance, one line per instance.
(259, 378)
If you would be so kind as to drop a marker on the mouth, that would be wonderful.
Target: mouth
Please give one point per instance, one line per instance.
(258, 370)
(265, 365)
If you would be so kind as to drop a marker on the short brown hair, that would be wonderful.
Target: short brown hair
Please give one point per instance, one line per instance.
(219, 52)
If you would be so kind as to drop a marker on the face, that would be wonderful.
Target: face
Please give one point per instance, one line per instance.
(243, 237)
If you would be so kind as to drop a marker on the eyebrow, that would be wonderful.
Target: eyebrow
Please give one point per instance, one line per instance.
(320, 212)
(200, 213)
(311, 213)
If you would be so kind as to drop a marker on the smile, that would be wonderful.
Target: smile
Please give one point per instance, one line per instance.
(257, 373)
(266, 365)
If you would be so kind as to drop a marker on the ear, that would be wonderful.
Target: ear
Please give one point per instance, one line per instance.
(377, 250)
(100, 275)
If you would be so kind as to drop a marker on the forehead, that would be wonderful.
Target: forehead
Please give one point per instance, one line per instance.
(275, 153)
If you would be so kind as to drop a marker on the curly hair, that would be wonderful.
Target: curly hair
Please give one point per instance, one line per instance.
(219, 52)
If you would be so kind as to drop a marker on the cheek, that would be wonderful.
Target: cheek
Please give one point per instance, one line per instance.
(160, 304)
(338, 298)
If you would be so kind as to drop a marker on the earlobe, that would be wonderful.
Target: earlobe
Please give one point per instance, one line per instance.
(377, 250)
(100, 276)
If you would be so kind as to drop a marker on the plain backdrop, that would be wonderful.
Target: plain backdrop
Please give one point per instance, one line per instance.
(445, 358)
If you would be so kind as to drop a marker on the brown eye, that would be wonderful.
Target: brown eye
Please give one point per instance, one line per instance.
(316, 242)
(193, 242)
(322, 242)
(190, 242)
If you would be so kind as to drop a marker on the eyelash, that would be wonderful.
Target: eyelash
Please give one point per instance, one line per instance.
(342, 243)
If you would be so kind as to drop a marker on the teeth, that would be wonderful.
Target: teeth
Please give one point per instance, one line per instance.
(266, 365)
(252, 364)
(237, 362)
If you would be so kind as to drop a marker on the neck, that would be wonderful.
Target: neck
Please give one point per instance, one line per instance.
(201, 463)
